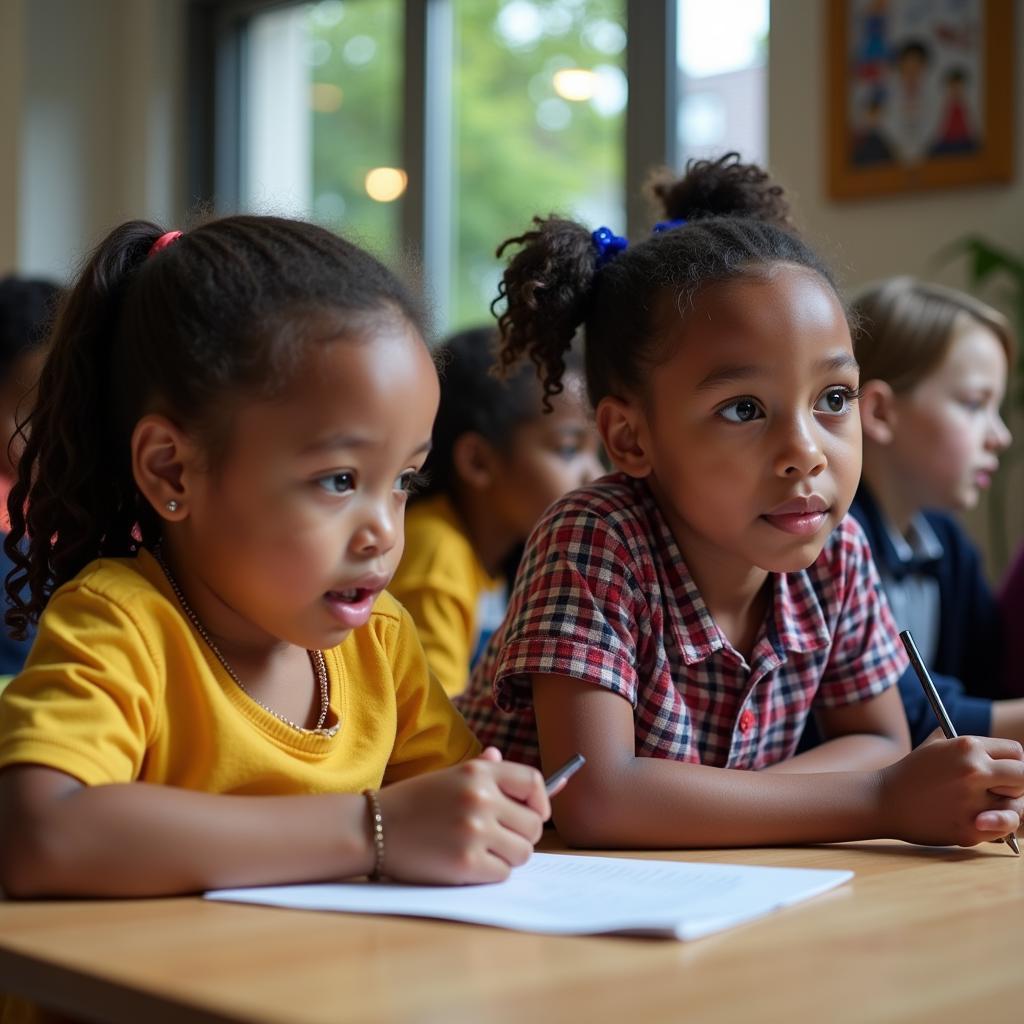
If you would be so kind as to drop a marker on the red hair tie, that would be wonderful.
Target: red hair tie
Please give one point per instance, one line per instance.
(163, 241)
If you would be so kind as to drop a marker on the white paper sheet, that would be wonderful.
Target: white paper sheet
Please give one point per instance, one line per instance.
(560, 894)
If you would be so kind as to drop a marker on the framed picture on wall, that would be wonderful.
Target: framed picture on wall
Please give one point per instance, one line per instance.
(921, 95)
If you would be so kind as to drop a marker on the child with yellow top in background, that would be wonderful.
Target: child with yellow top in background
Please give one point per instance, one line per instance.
(498, 460)
(213, 493)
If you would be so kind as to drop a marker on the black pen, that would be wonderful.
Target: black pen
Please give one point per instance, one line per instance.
(567, 771)
(948, 730)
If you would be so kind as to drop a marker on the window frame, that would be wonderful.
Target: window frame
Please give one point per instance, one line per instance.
(216, 117)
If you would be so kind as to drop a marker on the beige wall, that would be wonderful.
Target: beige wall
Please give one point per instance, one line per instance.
(867, 239)
(12, 29)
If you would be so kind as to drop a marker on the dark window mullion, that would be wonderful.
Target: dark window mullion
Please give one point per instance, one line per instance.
(651, 27)
(427, 227)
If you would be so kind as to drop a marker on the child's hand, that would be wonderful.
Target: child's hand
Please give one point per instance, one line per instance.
(470, 823)
(962, 791)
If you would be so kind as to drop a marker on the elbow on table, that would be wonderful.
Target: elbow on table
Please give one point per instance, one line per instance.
(588, 821)
(29, 861)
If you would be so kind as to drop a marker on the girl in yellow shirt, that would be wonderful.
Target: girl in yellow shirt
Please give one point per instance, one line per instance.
(498, 459)
(213, 493)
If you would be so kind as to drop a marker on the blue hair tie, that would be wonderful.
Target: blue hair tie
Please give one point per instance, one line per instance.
(667, 225)
(608, 245)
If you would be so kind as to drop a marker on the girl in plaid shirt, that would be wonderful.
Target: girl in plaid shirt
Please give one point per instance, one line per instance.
(679, 620)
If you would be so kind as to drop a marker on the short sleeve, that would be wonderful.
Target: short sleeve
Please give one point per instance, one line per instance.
(84, 704)
(866, 657)
(576, 610)
(431, 734)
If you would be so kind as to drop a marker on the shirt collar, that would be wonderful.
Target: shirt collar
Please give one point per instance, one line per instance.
(894, 554)
(797, 618)
(919, 544)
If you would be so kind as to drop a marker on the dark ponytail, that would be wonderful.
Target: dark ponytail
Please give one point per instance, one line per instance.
(736, 224)
(222, 314)
(68, 470)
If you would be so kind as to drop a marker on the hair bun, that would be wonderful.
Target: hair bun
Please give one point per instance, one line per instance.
(721, 188)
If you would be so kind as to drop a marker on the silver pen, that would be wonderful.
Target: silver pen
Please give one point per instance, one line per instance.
(567, 771)
(948, 730)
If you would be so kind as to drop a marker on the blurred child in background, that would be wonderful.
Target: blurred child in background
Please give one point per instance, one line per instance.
(498, 460)
(26, 308)
(934, 365)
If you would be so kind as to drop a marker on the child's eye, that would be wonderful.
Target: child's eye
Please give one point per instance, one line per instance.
(973, 404)
(743, 410)
(411, 481)
(837, 400)
(338, 483)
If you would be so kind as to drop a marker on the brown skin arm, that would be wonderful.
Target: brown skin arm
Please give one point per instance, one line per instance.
(1008, 719)
(135, 839)
(469, 823)
(621, 800)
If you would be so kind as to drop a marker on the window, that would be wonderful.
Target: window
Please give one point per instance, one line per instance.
(539, 96)
(722, 54)
(436, 128)
(321, 113)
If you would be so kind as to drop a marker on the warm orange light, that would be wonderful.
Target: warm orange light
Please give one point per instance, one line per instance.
(386, 184)
(325, 98)
(576, 84)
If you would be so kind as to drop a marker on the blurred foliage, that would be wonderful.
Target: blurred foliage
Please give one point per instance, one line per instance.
(355, 57)
(989, 265)
(520, 149)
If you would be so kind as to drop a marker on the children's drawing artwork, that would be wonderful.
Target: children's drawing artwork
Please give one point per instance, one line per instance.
(920, 94)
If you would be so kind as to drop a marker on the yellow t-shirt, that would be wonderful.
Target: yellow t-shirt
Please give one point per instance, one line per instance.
(119, 687)
(444, 585)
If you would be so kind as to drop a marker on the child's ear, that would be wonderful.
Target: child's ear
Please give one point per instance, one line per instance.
(474, 460)
(163, 460)
(622, 427)
(877, 412)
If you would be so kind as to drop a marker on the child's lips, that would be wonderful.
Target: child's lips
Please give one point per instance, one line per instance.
(804, 504)
(802, 516)
(801, 524)
(351, 606)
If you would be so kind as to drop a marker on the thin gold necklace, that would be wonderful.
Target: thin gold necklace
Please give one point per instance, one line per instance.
(315, 657)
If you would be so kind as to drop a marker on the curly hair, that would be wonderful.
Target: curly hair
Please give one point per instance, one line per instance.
(725, 187)
(223, 314)
(737, 224)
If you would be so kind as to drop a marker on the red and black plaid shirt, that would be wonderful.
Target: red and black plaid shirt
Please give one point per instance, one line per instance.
(603, 595)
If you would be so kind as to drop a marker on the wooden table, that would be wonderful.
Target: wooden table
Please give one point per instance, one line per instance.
(918, 935)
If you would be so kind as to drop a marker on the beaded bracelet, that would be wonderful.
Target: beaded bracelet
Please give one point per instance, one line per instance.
(377, 832)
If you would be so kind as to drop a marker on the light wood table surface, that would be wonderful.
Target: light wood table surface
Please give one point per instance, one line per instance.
(917, 935)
